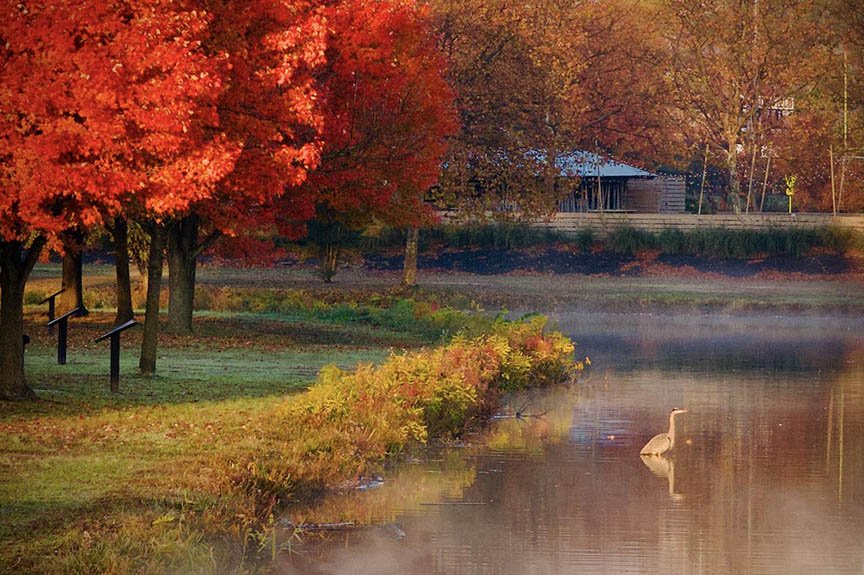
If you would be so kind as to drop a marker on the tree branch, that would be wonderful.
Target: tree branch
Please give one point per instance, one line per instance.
(208, 241)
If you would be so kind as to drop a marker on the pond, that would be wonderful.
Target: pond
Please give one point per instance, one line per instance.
(767, 475)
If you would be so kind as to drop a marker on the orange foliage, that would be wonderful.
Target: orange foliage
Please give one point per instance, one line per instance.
(387, 112)
(269, 107)
(102, 104)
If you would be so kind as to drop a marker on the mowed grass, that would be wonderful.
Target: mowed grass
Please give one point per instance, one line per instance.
(83, 460)
(232, 356)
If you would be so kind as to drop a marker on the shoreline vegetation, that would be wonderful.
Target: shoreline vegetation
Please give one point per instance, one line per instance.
(188, 473)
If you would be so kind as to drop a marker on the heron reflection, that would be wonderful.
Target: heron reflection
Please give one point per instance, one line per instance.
(665, 468)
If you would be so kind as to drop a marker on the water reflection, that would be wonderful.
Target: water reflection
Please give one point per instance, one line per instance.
(766, 475)
(664, 467)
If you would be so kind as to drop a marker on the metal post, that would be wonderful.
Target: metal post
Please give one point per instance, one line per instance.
(63, 333)
(61, 340)
(51, 308)
(114, 335)
(115, 362)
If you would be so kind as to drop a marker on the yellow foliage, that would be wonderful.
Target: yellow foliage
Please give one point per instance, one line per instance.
(348, 422)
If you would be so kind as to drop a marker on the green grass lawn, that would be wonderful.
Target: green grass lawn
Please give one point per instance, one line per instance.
(249, 360)
(184, 470)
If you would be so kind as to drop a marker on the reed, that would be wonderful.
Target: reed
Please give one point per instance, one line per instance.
(728, 243)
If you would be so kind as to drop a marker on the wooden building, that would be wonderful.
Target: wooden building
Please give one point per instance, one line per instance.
(598, 184)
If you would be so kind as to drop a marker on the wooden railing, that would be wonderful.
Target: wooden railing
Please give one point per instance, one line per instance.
(573, 223)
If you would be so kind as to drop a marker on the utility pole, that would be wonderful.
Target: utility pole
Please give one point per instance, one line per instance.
(704, 173)
(845, 102)
(844, 158)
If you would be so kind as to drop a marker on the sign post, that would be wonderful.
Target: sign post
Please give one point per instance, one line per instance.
(114, 334)
(51, 307)
(790, 189)
(62, 336)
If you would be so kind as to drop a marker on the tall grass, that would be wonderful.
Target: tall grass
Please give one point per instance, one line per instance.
(498, 236)
(351, 420)
(727, 243)
(710, 242)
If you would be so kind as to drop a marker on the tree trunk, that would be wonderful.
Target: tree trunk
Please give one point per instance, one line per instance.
(409, 269)
(182, 260)
(139, 248)
(120, 231)
(13, 277)
(73, 274)
(329, 261)
(147, 361)
(550, 175)
(142, 275)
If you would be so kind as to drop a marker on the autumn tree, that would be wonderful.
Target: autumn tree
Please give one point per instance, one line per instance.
(387, 112)
(618, 104)
(167, 87)
(57, 155)
(492, 164)
(108, 109)
(535, 80)
(731, 60)
(268, 109)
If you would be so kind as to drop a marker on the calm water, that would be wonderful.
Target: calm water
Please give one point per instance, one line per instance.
(768, 476)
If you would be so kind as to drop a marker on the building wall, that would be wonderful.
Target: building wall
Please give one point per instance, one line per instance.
(673, 195)
(660, 195)
(643, 195)
(584, 198)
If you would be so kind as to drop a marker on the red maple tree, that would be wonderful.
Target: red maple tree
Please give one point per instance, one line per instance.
(387, 114)
(269, 109)
(107, 107)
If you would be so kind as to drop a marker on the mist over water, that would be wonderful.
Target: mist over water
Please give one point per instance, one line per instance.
(767, 475)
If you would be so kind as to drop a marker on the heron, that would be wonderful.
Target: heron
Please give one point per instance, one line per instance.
(663, 442)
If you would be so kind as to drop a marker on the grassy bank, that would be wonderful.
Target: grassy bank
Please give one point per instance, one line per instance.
(186, 472)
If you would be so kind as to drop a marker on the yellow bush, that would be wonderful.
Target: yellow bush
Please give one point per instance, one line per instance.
(349, 421)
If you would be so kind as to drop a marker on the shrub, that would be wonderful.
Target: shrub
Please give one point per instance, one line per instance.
(350, 421)
(584, 239)
(730, 243)
(672, 241)
(502, 235)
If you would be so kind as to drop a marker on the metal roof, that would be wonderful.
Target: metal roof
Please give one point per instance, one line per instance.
(585, 164)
